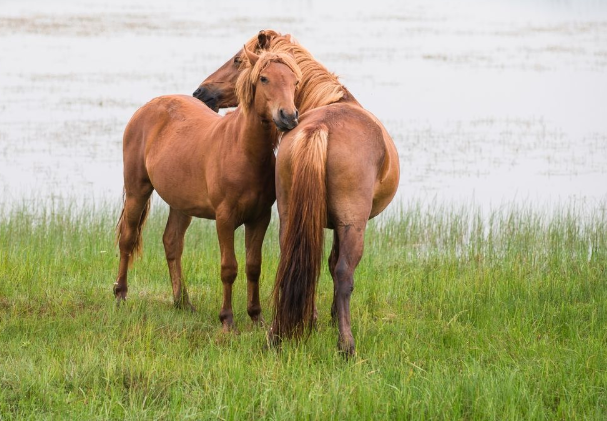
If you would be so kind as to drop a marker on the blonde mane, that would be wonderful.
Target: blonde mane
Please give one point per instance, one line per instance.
(245, 85)
(318, 86)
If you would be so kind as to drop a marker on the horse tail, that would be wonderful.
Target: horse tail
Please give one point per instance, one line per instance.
(120, 226)
(302, 242)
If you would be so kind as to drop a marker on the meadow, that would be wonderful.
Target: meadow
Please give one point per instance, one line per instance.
(459, 311)
(458, 314)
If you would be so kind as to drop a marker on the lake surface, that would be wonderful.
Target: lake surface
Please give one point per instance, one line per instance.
(489, 102)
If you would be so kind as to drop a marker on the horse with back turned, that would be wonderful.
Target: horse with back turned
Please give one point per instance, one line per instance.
(207, 166)
(337, 169)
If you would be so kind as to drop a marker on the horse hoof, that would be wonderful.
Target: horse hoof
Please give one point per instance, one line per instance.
(229, 328)
(118, 291)
(185, 305)
(346, 348)
(119, 295)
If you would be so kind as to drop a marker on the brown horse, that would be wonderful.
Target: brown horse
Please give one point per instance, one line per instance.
(212, 167)
(337, 169)
(318, 86)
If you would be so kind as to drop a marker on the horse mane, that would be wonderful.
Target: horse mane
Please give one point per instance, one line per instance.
(318, 86)
(245, 85)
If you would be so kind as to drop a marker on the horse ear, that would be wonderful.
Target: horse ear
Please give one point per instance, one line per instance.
(251, 56)
(263, 40)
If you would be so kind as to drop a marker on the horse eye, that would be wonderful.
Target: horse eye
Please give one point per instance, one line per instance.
(237, 60)
(263, 79)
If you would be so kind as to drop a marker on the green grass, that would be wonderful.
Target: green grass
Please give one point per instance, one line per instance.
(456, 316)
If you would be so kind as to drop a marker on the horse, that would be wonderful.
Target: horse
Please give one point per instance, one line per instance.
(207, 166)
(337, 169)
(318, 86)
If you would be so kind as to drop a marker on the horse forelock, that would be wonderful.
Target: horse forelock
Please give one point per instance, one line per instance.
(245, 85)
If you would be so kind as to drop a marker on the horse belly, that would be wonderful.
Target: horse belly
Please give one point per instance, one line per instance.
(188, 202)
(182, 185)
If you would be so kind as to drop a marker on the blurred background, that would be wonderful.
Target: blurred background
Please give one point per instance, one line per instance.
(490, 102)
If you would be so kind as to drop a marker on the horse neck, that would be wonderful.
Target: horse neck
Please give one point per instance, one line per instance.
(257, 139)
(318, 86)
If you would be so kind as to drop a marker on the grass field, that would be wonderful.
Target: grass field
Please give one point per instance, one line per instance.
(456, 316)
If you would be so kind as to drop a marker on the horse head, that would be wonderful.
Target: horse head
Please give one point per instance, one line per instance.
(217, 91)
(267, 86)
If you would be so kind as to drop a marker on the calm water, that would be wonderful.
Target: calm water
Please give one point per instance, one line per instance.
(489, 102)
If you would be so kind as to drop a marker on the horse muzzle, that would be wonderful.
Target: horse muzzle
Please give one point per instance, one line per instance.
(208, 96)
(286, 121)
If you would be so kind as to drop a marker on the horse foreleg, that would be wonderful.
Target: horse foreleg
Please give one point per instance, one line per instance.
(254, 235)
(229, 269)
(351, 239)
(129, 234)
(173, 239)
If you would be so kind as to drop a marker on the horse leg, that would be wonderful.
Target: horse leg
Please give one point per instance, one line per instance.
(129, 231)
(229, 269)
(332, 261)
(351, 239)
(272, 338)
(254, 235)
(173, 239)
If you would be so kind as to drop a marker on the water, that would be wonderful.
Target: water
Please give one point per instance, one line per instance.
(489, 102)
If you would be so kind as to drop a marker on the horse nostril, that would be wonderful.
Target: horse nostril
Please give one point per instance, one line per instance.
(197, 92)
(296, 114)
(282, 114)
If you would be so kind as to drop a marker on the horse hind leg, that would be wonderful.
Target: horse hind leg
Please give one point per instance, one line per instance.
(173, 239)
(332, 262)
(351, 239)
(129, 228)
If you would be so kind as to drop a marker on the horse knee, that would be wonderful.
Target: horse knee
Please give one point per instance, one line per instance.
(332, 262)
(253, 272)
(228, 273)
(344, 281)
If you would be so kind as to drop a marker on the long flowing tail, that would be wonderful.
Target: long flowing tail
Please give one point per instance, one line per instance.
(122, 229)
(302, 240)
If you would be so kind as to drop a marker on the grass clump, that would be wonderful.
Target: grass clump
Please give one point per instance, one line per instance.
(457, 315)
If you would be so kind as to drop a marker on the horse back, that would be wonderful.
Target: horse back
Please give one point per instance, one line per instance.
(164, 114)
(167, 143)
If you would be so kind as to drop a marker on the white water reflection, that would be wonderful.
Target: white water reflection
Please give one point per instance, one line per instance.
(489, 102)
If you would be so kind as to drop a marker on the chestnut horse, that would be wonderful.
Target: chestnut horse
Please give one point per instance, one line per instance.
(337, 169)
(212, 167)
